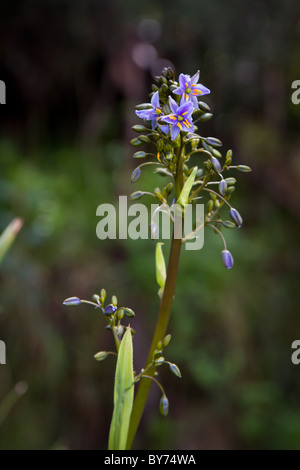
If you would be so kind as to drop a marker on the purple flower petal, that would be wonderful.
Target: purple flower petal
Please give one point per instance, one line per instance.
(174, 132)
(195, 78)
(183, 79)
(155, 100)
(173, 105)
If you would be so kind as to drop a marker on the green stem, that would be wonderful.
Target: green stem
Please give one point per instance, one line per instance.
(164, 313)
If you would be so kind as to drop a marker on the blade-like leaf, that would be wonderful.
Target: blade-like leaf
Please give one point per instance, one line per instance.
(123, 395)
(185, 193)
(160, 268)
(8, 236)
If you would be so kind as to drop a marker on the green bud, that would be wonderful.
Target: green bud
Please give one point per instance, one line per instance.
(100, 356)
(230, 190)
(102, 296)
(143, 106)
(204, 106)
(155, 88)
(210, 205)
(229, 224)
(136, 142)
(136, 195)
(120, 313)
(205, 117)
(144, 139)
(139, 128)
(140, 154)
(169, 188)
(114, 300)
(244, 168)
(164, 405)
(230, 181)
(207, 164)
(128, 312)
(166, 340)
(96, 298)
(160, 145)
(175, 369)
(159, 345)
(228, 157)
(216, 153)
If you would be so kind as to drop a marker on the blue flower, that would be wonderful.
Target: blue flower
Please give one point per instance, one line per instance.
(180, 119)
(154, 113)
(189, 90)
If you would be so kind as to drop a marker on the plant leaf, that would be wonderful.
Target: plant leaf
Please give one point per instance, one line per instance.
(185, 193)
(160, 268)
(123, 395)
(8, 236)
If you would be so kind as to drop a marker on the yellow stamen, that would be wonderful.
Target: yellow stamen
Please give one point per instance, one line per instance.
(158, 156)
(179, 125)
(183, 114)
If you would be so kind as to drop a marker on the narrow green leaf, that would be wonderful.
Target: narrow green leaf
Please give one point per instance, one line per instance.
(123, 395)
(161, 273)
(185, 193)
(8, 236)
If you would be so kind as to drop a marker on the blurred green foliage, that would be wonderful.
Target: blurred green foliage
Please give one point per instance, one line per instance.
(64, 151)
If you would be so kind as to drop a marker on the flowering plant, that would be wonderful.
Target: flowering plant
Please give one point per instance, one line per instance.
(174, 113)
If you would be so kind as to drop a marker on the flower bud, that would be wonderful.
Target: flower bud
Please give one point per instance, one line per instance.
(229, 224)
(135, 175)
(230, 180)
(228, 157)
(102, 296)
(129, 313)
(227, 259)
(175, 369)
(210, 205)
(139, 128)
(136, 195)
(110, 309)
(145, 139)
(136, 142)
(215, 164)
(205, 117)
(204, 106)
(222, 187)
(164, 405)
(72, 301)
(140, 155)
(166, 340)
(236, 217)
(213, 141)
(100, 356)
(243, 168)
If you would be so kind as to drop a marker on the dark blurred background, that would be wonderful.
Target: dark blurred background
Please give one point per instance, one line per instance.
(74, 70)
